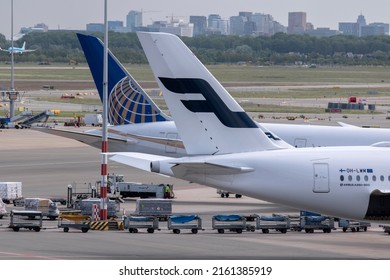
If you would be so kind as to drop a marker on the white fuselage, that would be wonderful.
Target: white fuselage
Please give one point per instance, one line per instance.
(153, 138)
(334, 181)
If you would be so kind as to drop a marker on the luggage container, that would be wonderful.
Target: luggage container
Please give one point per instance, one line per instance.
(311, 223)
(46, 206)
(179, 222)
(86, 207)
(3, 211)
(276, 222)
(353, 225)
(155, 207)
(234, 223)
(31, 220)
(133, 223)
(9, 191)
(76, 221)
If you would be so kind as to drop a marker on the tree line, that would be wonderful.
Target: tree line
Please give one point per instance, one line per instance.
(280, 49)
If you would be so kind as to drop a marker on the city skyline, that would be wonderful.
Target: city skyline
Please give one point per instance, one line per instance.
(63, 15)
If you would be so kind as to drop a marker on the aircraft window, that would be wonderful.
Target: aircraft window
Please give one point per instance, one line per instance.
(350, 178)
(365, 178)
(341, 178)
(357, 178)
(374, 178)
(382, 178)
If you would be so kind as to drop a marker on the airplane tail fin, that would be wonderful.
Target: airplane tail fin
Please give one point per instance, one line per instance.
(128, 102)
(24, 46)
(208, 119)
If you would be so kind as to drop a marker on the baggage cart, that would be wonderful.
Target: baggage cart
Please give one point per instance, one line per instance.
(295, 222)
(179, 222)
(311, 223)
(76, 221)
(46, 206)
(133, 223)
(386, 228)
(353, 225)
(276, 222)
(31, 220)
(234, 223)
(226, 194)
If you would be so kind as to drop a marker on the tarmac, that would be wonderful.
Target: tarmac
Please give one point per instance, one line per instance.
(47, 164)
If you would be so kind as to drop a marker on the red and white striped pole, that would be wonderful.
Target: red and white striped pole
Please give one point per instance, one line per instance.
(104, 167)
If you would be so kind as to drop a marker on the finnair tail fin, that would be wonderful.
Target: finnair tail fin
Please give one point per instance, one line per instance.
(128, 102)
(208, 119)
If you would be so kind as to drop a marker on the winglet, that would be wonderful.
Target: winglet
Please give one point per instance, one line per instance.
(128, 102)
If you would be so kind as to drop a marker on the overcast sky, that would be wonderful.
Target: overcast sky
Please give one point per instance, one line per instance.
(75, 14)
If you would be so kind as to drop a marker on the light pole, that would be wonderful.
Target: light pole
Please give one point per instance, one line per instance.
(104, 167)
(12, 94)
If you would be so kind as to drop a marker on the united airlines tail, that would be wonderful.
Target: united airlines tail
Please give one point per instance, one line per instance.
(208, 119)
(128, 102)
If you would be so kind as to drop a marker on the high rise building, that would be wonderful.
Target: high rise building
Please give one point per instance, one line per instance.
(114, 25)
(237, 24)
(264, 24)
(134, 20)
(361, 22)
(200, 24)
(217, 25)
(296, 23)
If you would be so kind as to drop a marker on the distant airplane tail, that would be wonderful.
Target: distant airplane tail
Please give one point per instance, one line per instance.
(128, 102)
(24, 46)
(208, 119)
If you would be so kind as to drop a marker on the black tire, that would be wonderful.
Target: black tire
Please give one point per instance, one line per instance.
(344, 229)
(194, 230)
(66, 229)
(150, 230)
(358, 229)
(365, 228)
(238, 195)
(227, 195)
(283, 230)
(265, 230)
(221, 231)
(37, 229)
(176, 231)
(239, 230)
(84, 230)
(131, 230)
(15, 229)
(222, 195)
(353, 229)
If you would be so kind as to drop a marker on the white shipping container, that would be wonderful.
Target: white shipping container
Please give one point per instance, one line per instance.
(10, 190)
(93, 119)
(3, 211)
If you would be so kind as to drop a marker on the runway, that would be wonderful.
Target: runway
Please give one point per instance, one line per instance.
(46, 164)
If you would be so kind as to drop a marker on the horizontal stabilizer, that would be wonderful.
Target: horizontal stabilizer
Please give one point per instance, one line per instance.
(137, 160)
(208, 168)
(385, 144)
(343, 124)
(83, 137)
